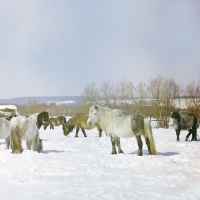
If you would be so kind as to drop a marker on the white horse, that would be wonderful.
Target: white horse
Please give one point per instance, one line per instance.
(117, 125)
(4, 131)
(22, 128)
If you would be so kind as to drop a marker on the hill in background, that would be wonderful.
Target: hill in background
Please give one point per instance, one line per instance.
(59, 100)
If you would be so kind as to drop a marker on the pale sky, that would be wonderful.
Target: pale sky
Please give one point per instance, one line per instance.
(58, 47)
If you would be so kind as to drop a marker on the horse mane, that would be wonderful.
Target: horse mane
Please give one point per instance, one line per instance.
(69, 124)
(107, 109)
(176, 115)
(69, 127)
(40, 116)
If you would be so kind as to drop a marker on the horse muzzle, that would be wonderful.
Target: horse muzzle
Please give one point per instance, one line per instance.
(89, 123)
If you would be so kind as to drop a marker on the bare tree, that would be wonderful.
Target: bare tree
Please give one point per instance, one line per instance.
(90, 94)
(163, 91)
(193, 98)
(106, 91)
(123, 93)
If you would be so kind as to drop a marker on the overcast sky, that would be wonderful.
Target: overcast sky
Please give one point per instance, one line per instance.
(58, 47)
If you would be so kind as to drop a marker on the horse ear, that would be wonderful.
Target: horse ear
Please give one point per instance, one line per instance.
(96, 107)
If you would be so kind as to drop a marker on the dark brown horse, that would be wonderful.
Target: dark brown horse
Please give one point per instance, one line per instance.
(55, 121)
(187, 121)
(40, 118)
(80, 122)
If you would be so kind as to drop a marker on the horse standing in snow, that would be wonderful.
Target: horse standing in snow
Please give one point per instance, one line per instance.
(4, 131)
(80, 122)
(117, 125)
(23, 128)
(188, 121)
(55, 121)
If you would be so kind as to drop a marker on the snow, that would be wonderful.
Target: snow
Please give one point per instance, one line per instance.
(60, 102)
(82, 168)
(8, 106)
(12, 107)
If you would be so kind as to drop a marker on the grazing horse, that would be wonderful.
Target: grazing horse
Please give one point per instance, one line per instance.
(4, 131)
(187, 121)
(40, 118)
(55, 122)
(23, 128)
(117, 125)
(80, 122)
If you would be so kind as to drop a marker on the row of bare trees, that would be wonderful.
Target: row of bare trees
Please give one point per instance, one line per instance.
(156, 98)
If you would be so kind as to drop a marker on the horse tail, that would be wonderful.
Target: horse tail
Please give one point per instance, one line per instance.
(149, 134)
(16, 140)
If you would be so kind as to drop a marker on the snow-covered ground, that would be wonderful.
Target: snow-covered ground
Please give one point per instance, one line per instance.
(82, 168)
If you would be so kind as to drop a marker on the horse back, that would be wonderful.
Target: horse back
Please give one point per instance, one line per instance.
(80, 121)
(62, 119)
(189, 121)
(26, 126)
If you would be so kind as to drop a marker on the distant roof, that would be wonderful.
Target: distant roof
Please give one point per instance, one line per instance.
(8, 106)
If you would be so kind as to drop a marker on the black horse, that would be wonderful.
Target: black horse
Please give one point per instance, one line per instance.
(184, 121)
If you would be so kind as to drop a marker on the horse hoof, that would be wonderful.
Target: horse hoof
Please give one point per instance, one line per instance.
(112, 153)
(178, 140)
(121, 151)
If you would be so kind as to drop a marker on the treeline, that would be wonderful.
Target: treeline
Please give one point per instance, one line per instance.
(156, 99)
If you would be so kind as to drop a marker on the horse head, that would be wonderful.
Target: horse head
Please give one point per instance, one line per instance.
(42, 118)
(93, 117)
(67, 129)
(175, 115)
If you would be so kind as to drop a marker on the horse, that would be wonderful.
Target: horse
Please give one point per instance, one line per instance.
(40, 118)
(80, 122)
(187, 121)
(116, 125)
(23, 128)
(4, 131)
(55, 122)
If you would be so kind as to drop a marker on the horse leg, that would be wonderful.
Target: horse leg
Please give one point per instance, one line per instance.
(194, 134)
(148, 145)
(188, 135)
(84, 133)
(7, 140)
(77, 130)
(178, 130)
(113, 145)
(100, 132)
(117, 141)
(28, 144)
(140, 144)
